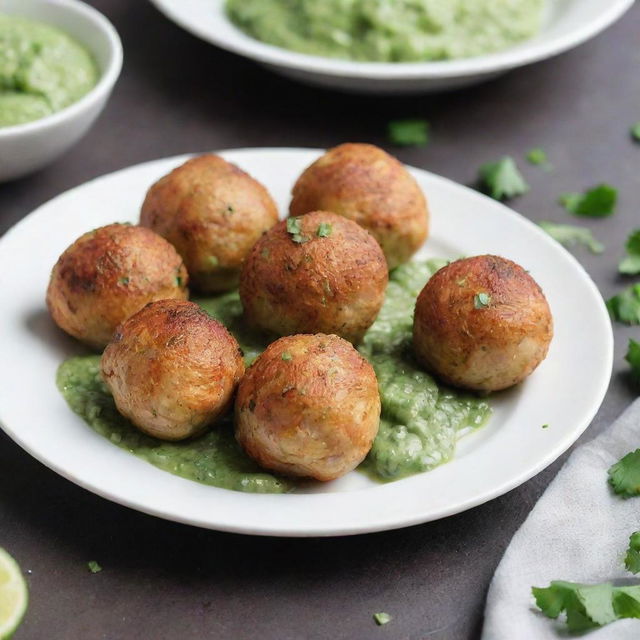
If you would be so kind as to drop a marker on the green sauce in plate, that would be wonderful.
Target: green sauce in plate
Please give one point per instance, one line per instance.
(389, 30)
(421, 420)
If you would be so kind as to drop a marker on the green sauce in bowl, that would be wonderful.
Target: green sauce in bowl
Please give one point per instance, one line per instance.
(42, 70)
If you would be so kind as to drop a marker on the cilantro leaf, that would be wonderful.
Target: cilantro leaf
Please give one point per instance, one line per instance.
(324, 230)
(626, 601)
(481, 300)
(569, 235)
(635, 131)
(625, 307)
(409, 133)
(633, 358)
(598, 202)
(632, 559)
(538, 156)
(286, 356)
(502, 179)
(381, 618)
(630, 265)
(94, 567)
(624, 475)
(294, 227)
(587, 606)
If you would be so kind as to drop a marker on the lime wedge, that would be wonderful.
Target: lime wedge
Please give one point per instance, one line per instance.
(13, 595)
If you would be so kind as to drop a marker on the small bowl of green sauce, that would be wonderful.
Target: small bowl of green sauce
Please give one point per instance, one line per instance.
(59, 61)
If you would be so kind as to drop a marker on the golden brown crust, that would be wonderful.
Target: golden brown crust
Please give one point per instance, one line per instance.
(334, 284)
(213, 213)
(482, 343)
(172, 369)
(370, 187)
(309, 406)
(107, 275)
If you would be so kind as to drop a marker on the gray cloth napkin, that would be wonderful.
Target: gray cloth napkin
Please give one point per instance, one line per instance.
(579, 531)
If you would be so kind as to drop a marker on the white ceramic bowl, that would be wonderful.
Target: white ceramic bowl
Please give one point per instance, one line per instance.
(568, 24)
(30, 146)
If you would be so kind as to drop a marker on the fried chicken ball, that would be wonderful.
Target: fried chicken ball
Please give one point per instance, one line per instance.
(482, 323)
(172, 369)
(212, 212)
(308, 406)
(107, 275)
(319, 273)
(370, 187)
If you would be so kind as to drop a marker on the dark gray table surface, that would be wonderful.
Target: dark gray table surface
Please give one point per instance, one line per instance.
(166, 580)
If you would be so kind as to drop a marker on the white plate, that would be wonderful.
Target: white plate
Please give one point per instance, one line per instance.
(568, 24)
(564, 392)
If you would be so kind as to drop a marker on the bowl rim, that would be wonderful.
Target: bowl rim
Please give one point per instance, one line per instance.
(525, 53)
(105, 83)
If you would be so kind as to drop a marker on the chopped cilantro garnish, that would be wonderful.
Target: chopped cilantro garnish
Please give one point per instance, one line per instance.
(409, 133)
(178, 281)
(545, 426)
(124, 281)
(324, 230)
(286, 356)
(94, 567)
(633, 358)
(598, 202)
(630, 265)
(538, 157)
(213, 261)
(295, 229)
(625, 307)
(502, 179)
(588, 606)
(624, 475)
(569, 235)
(230, 209)
(632, 559)
(381, 618)
(481, 300)
(635, 131)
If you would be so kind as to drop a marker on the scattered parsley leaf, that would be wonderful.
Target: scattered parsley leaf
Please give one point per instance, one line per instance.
(213, 261)
(598, 202)
(94, 567)
(630, 265)
(545, 426)
(625, 307)
(588, 606)
(538, 157)
(286, 356)
(178, 281)
(635, 131)
(502, 179)
(569, 235)
(624, 475)
(324, 230)
(632, 559)
(295, 229)
(124, 281)
(481, 300)
(633, 358)
(381, 618)
(412, 132)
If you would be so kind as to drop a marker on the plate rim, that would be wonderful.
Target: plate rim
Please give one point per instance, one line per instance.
(381, 524)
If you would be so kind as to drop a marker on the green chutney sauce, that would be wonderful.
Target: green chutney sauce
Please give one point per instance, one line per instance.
(42, 70)
(389, 30)
(420, 424)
